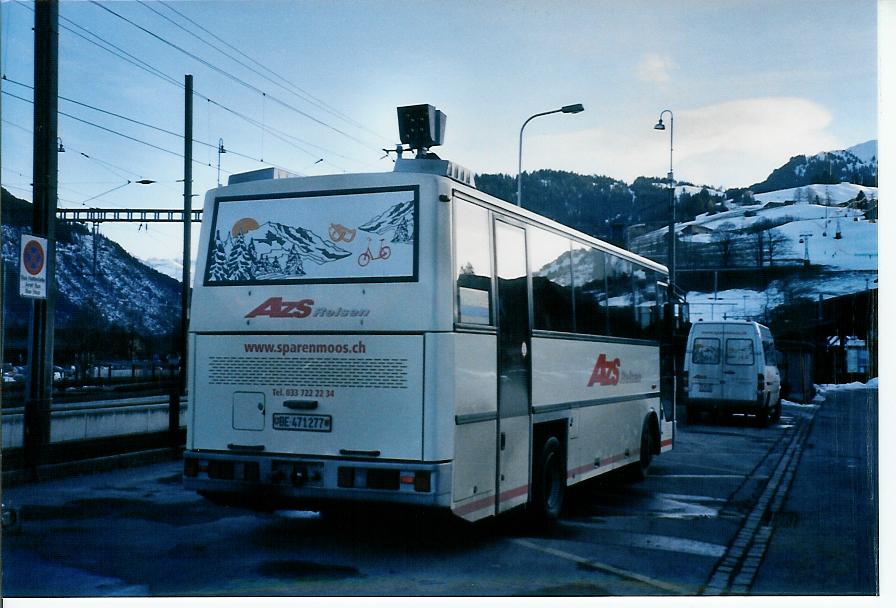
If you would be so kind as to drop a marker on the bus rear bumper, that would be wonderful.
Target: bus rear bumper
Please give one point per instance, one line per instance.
(282, 481)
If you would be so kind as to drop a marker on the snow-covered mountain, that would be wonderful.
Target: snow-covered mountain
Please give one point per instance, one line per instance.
(829, 227)
(124, 291)
(856, 165)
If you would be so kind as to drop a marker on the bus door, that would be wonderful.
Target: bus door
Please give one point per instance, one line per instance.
(514, 343)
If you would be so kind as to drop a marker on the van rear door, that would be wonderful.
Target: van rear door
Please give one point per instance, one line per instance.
(739, 363)
(705, 364)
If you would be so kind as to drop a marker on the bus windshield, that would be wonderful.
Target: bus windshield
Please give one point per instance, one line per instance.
(344, 236)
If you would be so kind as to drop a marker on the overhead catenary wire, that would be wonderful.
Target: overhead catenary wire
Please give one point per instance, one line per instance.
(236, 79)
(152, 70)
(151, 145)
(274, 77)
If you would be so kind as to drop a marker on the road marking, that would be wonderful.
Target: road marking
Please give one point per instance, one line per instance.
(690, 497)
(700, 476)
(669, 587)
(653, 541)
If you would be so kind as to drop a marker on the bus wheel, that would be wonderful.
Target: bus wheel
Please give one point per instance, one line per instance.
(550, 481)
(640, 468)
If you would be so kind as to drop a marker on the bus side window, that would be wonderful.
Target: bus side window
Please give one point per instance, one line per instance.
(549, 259)
(620, 292)
(589, 272)
(472, 247)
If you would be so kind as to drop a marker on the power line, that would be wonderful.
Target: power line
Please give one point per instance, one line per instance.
(146, 143)
(133, 120)
(288, 86)
(149, 68)
(230, 76)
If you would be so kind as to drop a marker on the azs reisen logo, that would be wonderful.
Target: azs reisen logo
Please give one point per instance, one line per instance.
(276, 307)
(606, 373)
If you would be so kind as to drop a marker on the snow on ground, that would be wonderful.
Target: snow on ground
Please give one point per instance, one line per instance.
(751, 304)
(855, 250)
(852, 386)
(679, 190)
(838, 193)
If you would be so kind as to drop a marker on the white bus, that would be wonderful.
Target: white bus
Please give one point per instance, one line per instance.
(404, 337)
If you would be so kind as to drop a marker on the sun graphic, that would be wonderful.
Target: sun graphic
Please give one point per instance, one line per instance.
(243, 226)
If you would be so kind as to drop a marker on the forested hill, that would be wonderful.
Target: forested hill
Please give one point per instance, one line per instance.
(595, 204)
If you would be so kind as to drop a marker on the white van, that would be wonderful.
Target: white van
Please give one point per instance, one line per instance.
(730, 366)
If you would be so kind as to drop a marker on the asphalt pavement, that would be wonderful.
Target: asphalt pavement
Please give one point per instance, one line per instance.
(732, 510)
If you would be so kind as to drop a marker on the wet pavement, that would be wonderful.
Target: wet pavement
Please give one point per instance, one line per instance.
(733, 509)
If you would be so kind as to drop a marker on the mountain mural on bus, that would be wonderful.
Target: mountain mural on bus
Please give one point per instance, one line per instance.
(248, 248)
(399, 219)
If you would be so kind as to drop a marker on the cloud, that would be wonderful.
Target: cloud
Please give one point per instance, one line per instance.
(655, 68)
(734, 143)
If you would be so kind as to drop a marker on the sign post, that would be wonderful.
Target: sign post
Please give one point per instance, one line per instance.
(38, 255)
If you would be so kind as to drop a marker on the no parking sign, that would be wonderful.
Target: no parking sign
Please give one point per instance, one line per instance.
(33, 267)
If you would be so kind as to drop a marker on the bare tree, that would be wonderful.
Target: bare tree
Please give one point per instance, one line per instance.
(724, 237)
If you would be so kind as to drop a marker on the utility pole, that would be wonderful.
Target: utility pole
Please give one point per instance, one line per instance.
(45, 175)
(180, 388)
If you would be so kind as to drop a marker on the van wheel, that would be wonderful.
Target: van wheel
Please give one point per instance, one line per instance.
(776, 413)
(550, 481)
(762, 416)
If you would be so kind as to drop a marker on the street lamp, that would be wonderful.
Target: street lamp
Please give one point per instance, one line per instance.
(571, 109)
(659, 126)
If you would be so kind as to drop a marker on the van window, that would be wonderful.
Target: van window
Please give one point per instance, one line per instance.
(739, 351)
(771, 357)
(707, 351)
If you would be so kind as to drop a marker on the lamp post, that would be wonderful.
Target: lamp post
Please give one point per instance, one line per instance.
(659, 126)
(571, 109)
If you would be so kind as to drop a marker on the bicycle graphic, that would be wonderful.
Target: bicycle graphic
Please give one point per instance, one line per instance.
(367, 256)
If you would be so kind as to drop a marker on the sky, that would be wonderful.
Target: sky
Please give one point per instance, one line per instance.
(750, 84)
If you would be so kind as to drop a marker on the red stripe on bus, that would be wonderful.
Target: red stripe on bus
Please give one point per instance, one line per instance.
(589, 467)
(515, 492)
(665, 442)
(476, 505)
(482, 503)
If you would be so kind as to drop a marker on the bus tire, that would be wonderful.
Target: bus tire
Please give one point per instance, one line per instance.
(550, 481)
(645, 457)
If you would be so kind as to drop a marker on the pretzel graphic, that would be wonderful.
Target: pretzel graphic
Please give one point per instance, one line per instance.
(338, 233)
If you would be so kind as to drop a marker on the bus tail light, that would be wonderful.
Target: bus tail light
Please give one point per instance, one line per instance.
(685, 381)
